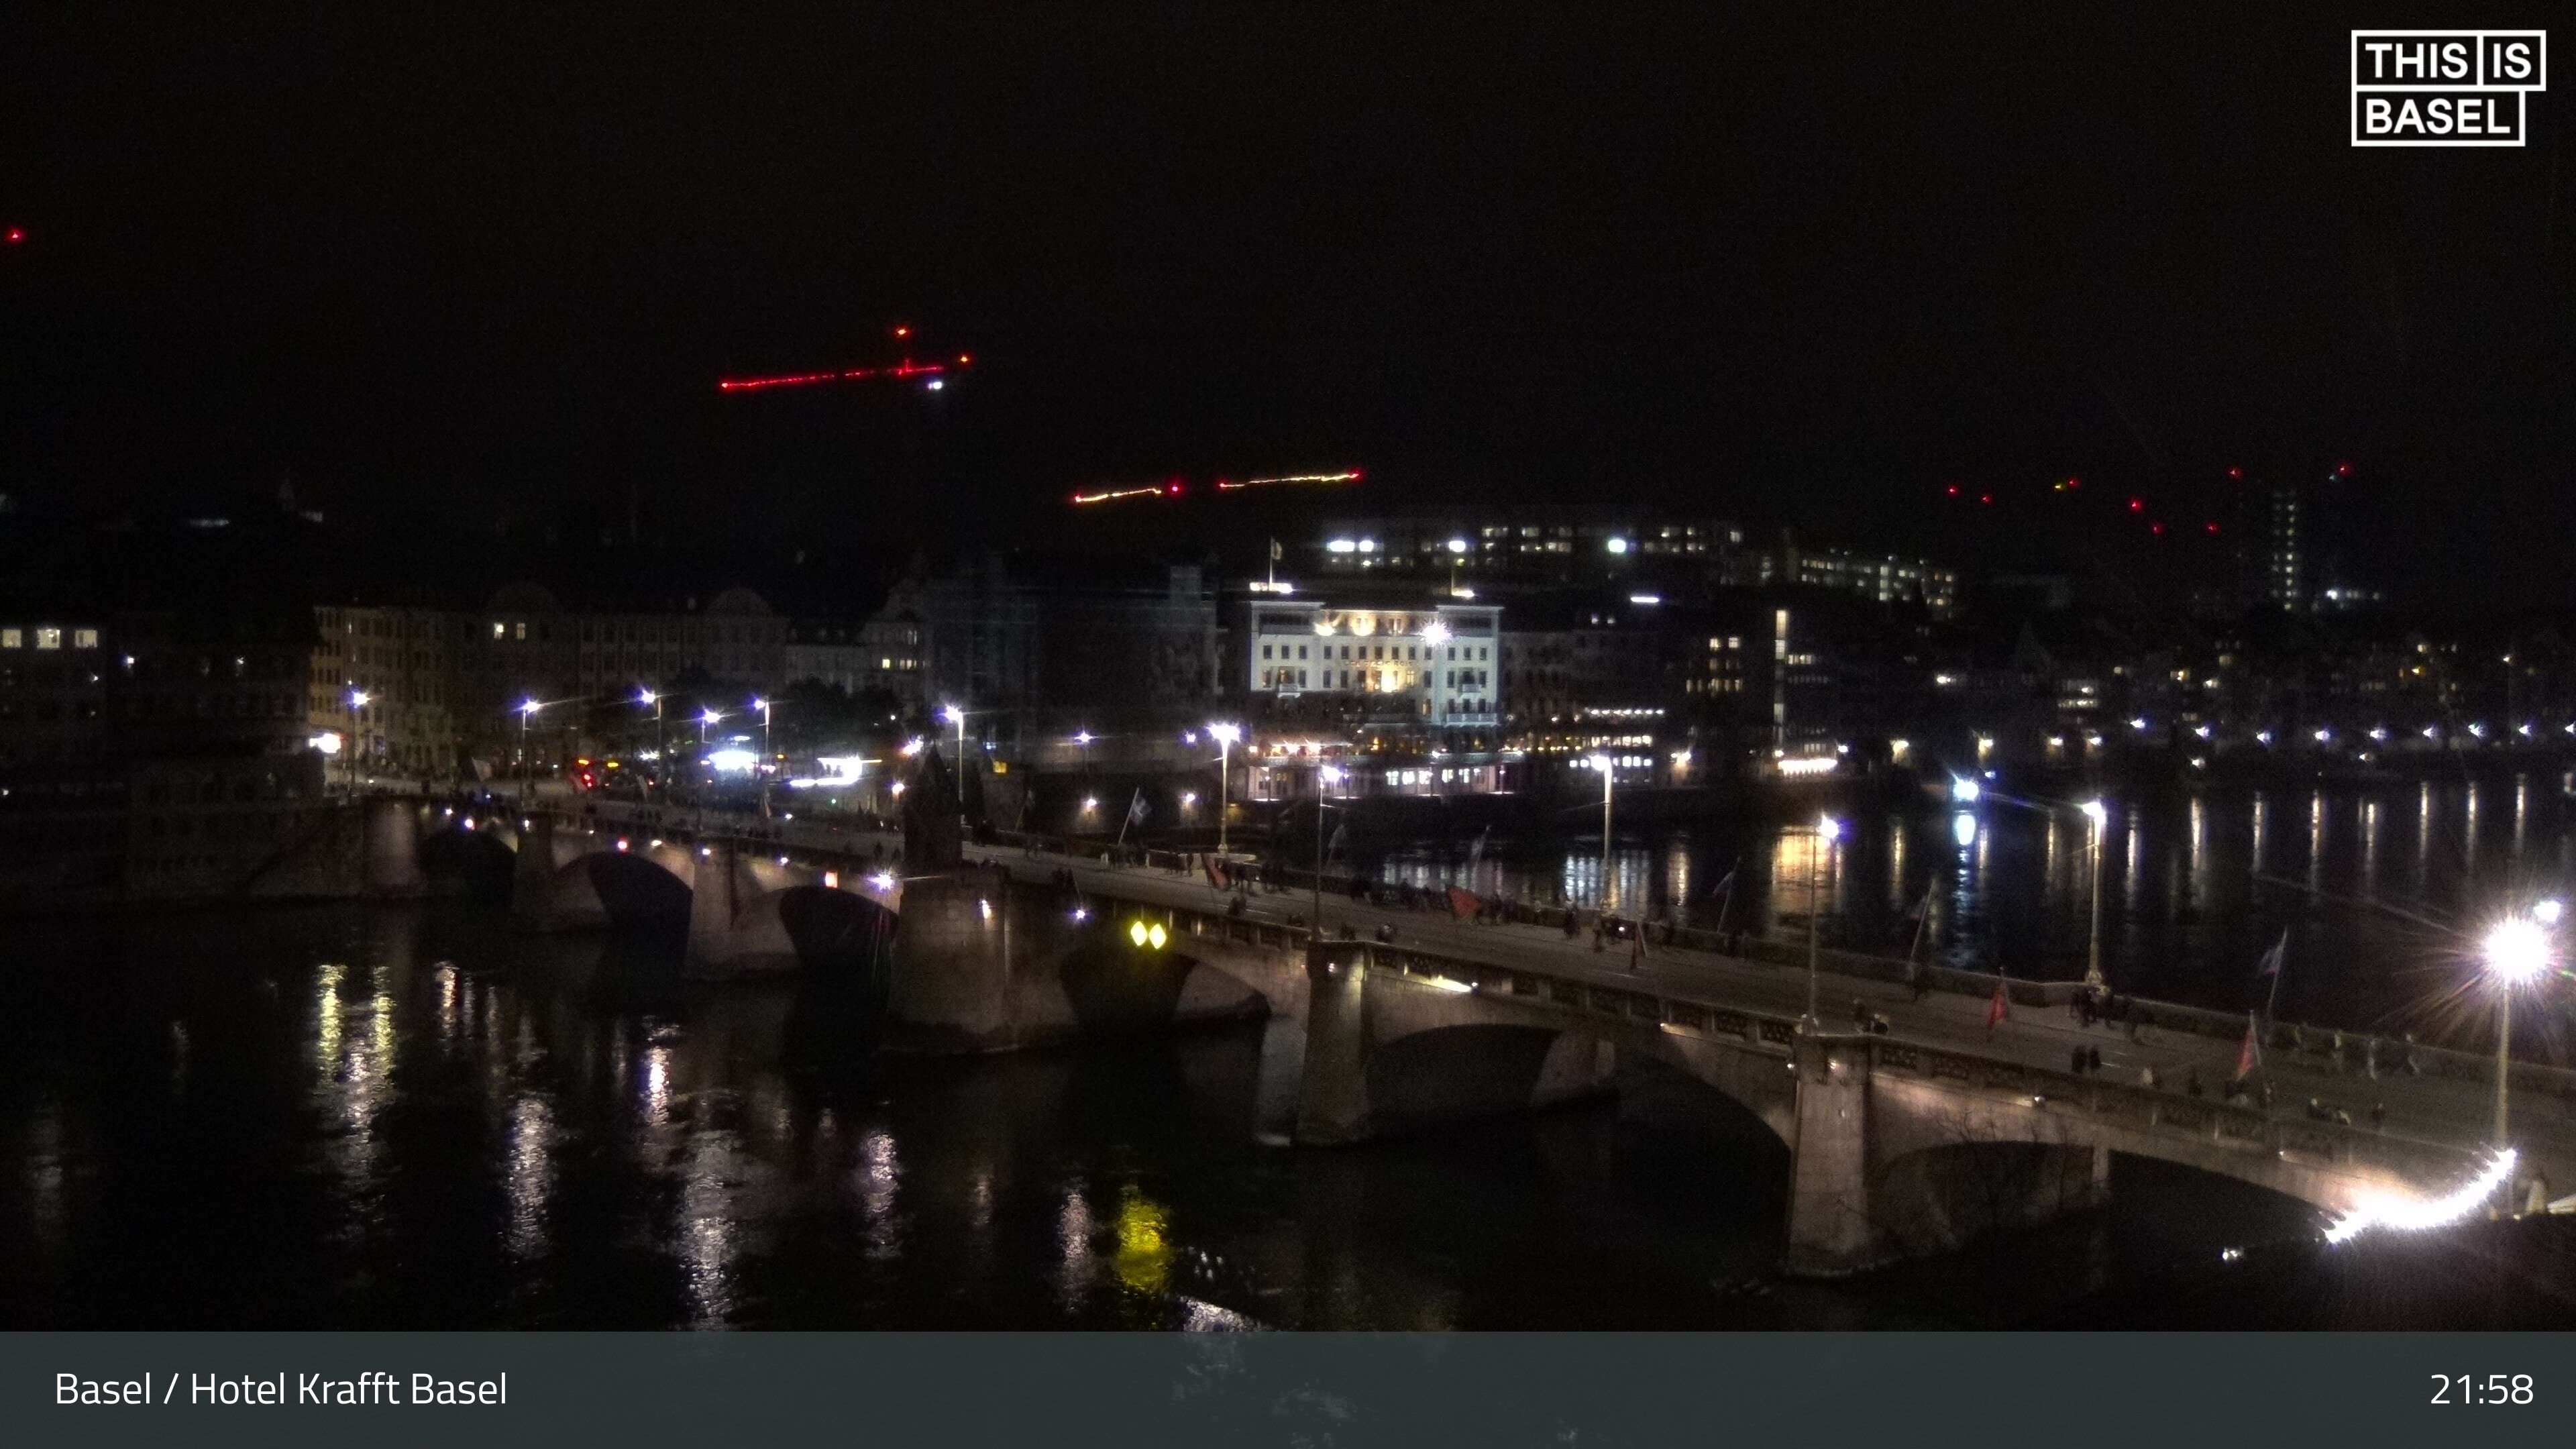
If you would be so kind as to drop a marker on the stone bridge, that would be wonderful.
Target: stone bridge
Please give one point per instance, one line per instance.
(1896, 1148)
(1899, 1144)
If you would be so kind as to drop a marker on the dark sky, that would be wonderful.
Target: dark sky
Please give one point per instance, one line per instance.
(1798, 271)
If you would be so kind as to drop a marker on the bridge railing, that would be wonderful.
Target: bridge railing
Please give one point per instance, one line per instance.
(2293, 1044)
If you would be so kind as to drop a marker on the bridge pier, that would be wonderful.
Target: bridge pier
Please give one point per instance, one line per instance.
(393, 849)
(734, 925)
(1390, 1051)
(1830, 1233)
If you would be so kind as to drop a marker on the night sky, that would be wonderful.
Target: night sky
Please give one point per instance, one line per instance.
(1799, 273)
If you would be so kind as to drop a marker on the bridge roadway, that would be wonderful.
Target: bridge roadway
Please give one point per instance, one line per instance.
(2439, 1111)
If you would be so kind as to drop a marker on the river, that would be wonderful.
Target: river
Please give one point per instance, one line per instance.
(412, 1116)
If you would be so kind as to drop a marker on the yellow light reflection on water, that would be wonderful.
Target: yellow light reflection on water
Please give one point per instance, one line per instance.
(1144, 1250)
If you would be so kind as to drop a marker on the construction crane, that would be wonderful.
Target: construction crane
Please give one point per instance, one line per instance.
(934, 373)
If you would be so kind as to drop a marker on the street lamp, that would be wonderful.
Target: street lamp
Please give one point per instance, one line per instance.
(357, 701)
(2097, 812)
(1829, 830)
(661, 764)
(957, 717)
(2517, 951)
(1225, 736)
(1603, 763)
(527, 711)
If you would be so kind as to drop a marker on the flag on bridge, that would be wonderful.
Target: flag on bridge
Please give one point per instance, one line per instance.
(2272, 959)
(1462, 903)
(1137, 809)
(1999, 1008)
(2249, 1056)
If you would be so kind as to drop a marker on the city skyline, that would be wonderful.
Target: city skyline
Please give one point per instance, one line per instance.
(1352, 260)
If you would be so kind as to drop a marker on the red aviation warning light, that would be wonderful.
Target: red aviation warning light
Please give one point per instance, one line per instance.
(17, 234)
(2137, 505)
(2343, 470)
(2236, 473)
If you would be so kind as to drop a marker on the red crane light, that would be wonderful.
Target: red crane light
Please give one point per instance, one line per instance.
(2210, 528)
(1954, 490)
(1985, 498)
(2237, 473)
(2137, 505)
(2343, 470)
(2072, 484)
(17, 234)
(2157, 529)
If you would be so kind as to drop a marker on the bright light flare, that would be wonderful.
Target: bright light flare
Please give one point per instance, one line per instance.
(1963, 828)
(2417, 1215)
(2516, 950)
(1965, 790)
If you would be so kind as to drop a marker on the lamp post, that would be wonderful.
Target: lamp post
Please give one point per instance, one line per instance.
(956, 716)
(1226, 735)
(357, 701)
(661, 764)
(1604, 764)
(1320, 808)
(2095, 812)
(527, 712)
(1830, 831)
(2516, 951)
(762, 704)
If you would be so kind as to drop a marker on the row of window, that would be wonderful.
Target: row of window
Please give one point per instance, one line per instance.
(1412, 653)
(47, 636)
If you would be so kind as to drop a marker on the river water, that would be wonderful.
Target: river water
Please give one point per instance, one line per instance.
(2193, 891)
(411, 1116)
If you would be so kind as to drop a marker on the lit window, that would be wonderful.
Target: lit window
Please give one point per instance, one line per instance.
(12, 639)
(48, 637)
(84, 638)
(496, 629)
(519, 630)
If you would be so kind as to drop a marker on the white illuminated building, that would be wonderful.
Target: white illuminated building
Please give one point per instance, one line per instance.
(1437, 663)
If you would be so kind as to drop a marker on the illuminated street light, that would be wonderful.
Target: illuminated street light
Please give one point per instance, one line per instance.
(957, 716)
(2517, 952)
(2549, 912)
(358, 699)
(2095, 811)
(1605, 765)
(1830, 831)
(1225, 735)
(1965, 791)
(527, 711)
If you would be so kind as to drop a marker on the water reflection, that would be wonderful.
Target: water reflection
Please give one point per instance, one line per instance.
(2011, 887)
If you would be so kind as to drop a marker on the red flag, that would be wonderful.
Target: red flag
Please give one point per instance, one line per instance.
(2248, 1056)
(1462, 904)
(1215, 873)
(1997, 1009)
